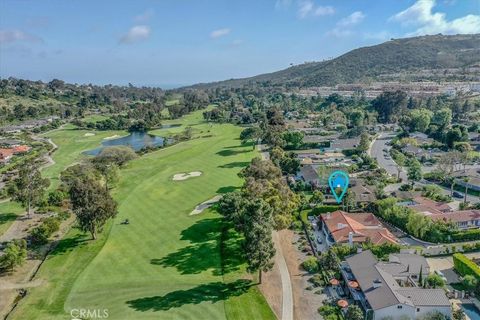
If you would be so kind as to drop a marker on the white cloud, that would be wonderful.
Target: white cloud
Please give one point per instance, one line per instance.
(144, 17)
(339, 32)
(352, 19)
(282, 4)
(9, 36)
(135, 34)
(308, 8)
(341, 29)
(420, 15)
(219, 33)
(237, 42)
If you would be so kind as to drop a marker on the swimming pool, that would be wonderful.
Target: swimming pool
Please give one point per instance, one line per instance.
(471, 311)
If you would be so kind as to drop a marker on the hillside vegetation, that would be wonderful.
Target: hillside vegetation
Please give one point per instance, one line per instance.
(420, 58)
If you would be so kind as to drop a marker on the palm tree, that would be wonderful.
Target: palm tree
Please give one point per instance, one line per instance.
(466, 179)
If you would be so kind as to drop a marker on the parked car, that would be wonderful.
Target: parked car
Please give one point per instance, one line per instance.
(319, 240)
(457, 194)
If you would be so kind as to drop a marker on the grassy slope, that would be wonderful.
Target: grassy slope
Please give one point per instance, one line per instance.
(8, 213)
(165, 264)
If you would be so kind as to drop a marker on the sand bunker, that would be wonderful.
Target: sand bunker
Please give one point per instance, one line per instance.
(204, 205)
(89, 134)
(185, 176)
(111, 137)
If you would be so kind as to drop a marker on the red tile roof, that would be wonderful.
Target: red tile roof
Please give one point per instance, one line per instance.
(21, 149)
(458, 216)
(363, 226)
(5, 153)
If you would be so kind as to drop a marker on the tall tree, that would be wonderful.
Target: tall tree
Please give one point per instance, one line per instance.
(414, 172)
(92, 204)
(258, 244)
(29, 187)
(354, 313)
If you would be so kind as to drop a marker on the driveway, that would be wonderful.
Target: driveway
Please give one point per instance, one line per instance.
(444, 265)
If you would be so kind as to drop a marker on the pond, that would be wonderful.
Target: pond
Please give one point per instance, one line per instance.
(471, 311)
(136, 140)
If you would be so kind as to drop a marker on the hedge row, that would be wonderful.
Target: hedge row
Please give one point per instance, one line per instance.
(325, 208)
(465, 266)
(467, 235)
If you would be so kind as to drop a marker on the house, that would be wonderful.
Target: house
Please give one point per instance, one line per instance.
(344, 144)
(309, 175)
(349, 228)
(463, 219)
(421, 138)
(5, 155)
(20, 149)
(363, 194)
(427, 206)
(469, 178)
(386, 290)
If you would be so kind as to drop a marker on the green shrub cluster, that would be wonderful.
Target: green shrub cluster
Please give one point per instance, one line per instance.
(465, 266)
(310, 265)
(40, 234)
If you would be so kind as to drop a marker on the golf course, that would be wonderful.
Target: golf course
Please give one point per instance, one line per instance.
(166, 263)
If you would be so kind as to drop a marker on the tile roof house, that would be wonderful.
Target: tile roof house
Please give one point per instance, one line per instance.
(5, 155)
(344, 144)
(309, 175)
(381, 292)
(349, 228)
(463, 219)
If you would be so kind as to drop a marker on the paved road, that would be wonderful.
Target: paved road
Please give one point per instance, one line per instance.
(390, 166)
(287, 293)
(376, 151)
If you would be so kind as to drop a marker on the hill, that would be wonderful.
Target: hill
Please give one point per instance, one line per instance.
(437, 57)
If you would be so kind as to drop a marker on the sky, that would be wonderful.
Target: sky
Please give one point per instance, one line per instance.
(169, 43)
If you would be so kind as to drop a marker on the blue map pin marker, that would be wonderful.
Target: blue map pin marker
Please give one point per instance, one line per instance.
(338, 180)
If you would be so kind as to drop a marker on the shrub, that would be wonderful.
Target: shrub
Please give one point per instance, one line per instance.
(40, 234)
(56, 197)
(405, 187)
(324, 209)
(310, 265)
(465, 266)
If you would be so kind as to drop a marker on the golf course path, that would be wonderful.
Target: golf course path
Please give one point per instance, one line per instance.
(287, 294)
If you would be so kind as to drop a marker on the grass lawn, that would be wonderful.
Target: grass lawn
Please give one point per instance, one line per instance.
(165, 264)
(71, 143)
(8, 213)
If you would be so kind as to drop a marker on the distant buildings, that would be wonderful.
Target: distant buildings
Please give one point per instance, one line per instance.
(343, 145)
(390, 290)
(462, 219)
(349, 228)
(469, 178)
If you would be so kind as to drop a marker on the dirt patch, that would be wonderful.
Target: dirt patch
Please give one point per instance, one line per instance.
(205, 205)
(184, 176)
(271, 289)
(306, 302)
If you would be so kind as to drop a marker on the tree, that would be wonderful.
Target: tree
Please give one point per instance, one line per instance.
(390, 105)
(29, 187)
(251, 134)
(258, 245)
(317, 198)
(294, 139)
(434, 281)
(470, 282)
(417, 225)
(364, 142)
(92, 204)
(118, 155)
(400, 161)
(354, 313)
(466, 180)
(420, 119)
(434, 315)
(442, 118)
(420, 276)
(14, 255)
(414, 171)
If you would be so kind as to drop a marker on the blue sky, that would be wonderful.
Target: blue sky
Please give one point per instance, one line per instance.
(177, 42)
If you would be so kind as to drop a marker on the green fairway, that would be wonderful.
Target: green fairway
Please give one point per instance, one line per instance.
(165, 264)
(8, 213)
(71, 143)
